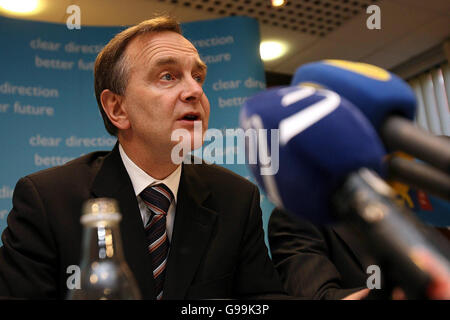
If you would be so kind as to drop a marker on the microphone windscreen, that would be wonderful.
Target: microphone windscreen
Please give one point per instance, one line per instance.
(375, 91)
(321, 138)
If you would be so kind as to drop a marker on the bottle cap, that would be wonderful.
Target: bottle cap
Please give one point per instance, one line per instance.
(100, 210)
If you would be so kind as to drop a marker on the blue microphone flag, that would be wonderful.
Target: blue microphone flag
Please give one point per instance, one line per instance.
(322, 138)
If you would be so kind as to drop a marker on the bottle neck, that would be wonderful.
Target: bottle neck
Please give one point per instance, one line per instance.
(102, 241)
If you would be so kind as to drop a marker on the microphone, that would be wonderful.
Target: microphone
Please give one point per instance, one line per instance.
(330, 157)
(419, 175)
(415, 258)
(386, 100)
(322, 137)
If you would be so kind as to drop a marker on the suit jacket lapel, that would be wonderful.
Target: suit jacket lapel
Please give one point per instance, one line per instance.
(113, 181)
(192, 229)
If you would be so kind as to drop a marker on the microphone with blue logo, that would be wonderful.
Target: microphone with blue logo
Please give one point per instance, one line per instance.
(389, 104)
(330, 168)
(322, 138)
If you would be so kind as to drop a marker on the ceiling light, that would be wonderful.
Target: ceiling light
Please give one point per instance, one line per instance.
(20, 6)
(270, 50)
(278, 3)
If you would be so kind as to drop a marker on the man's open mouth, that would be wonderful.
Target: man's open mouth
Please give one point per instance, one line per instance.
(190, 117)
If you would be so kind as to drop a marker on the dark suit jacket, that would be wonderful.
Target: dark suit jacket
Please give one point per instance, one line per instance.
(217, 248)
(317, 262)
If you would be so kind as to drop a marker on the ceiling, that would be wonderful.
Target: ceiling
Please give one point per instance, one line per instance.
(314, 17)
(312, 29)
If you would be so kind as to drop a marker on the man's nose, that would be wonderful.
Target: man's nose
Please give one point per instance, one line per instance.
(192, 90)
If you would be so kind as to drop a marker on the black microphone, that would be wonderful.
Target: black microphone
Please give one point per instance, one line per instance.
(400, 242)
(399, 134)
(420, 176)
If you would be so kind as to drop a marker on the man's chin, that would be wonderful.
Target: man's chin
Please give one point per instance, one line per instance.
(191, 145)
(184, 145)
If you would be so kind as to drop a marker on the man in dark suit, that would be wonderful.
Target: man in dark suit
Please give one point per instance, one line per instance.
(319, 262)
(148, 84)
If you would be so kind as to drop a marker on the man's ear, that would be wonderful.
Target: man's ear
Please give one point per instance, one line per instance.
(113, 107)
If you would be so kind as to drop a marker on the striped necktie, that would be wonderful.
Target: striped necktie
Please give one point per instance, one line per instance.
(158, 199)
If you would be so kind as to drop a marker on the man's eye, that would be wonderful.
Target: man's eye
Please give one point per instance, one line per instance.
(167, 77)
(198, 78)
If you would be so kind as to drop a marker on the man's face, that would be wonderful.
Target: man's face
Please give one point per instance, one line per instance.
(164, 90)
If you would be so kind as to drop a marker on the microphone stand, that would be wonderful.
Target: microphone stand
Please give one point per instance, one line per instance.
(395, 236)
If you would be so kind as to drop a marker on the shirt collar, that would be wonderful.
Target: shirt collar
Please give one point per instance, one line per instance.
(141, 180)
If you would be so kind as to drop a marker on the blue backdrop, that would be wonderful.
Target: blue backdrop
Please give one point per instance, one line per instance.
(48, 111)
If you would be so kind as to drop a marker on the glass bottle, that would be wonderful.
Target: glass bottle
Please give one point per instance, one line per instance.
(105, 275)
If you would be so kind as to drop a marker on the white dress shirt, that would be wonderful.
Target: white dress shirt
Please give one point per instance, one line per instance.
(141, 180)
